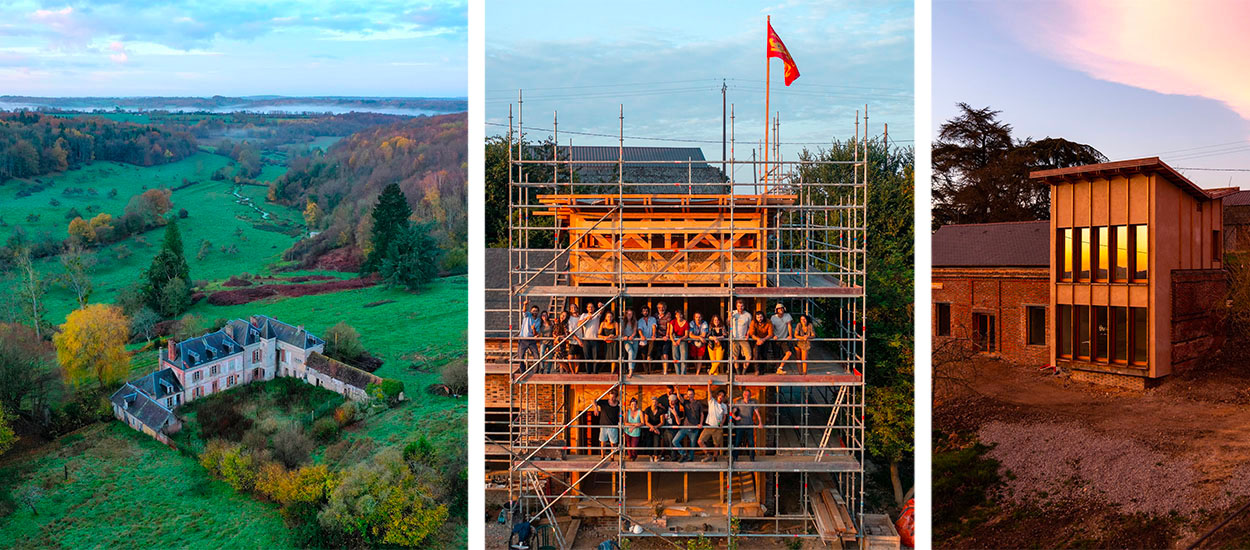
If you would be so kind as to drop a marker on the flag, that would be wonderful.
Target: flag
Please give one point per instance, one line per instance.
(776, 48)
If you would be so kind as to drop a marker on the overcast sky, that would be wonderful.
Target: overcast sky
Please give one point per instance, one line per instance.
(1131, 78)
(233, 48)
(665, 62)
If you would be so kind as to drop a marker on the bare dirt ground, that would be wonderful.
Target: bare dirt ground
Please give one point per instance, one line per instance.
(1087, 466)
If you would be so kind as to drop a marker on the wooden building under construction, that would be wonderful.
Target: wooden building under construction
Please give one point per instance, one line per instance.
(795, 238)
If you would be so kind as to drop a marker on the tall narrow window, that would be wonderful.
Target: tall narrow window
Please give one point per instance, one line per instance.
(1082, 332)
(1102, 332)
(1141, 253)
(1035, 329)
(984, 337)
(1065, 254)
(1217, 246)
(1120, 273)
(1104, 254)
(1086, 250)
(1064, 327)
(1141, 336)
(1119, 334)
(944, 319)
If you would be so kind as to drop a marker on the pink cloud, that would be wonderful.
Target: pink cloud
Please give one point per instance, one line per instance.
(65, 24)
(119, 52)
(1186, 48)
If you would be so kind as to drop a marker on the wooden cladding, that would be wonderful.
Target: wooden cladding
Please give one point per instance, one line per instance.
(652, 242)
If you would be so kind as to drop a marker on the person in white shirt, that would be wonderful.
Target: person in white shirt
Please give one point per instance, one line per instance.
(712, 438)
(592, 347)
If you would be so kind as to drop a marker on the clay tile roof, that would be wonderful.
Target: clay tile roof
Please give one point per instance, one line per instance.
(1237, 198)
(1007, 244)
(348, 374)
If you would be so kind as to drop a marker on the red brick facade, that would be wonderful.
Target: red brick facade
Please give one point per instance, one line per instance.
(1002, 293)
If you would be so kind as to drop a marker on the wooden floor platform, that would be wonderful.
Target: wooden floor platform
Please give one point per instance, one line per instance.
(831, 462)
(699, 379)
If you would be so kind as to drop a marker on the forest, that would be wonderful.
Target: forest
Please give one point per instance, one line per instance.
(34, 144)
(425, 156)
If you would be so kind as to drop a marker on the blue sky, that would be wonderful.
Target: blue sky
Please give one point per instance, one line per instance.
(1169, 81)
(233, 48)
(665, 60)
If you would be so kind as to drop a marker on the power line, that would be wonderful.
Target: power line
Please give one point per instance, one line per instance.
(680, 140)
(1206, 169)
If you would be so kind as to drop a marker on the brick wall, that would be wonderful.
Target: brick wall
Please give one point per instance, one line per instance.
(1111, 379)
(1198, 314)
(1001, 292)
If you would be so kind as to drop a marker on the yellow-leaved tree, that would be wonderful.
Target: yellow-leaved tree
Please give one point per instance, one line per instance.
(92, 344)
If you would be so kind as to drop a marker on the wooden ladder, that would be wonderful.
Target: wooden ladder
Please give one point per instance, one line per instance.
(547, 509)
(833, 421)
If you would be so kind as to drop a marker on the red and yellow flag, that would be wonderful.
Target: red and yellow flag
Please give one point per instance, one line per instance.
(777, 48)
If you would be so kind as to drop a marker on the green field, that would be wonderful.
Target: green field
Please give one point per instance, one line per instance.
(127, 490)
(214, 214)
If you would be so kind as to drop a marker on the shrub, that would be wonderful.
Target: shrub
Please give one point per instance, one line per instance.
(343, 342)
(419, 451)
(291, 447)
(345, 414)
(456, 376)
(325, 429)
(238, 469)
(388, 390)
(220, 418)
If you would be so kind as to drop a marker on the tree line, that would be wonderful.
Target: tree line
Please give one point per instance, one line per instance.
(425, 158)
(34, 144)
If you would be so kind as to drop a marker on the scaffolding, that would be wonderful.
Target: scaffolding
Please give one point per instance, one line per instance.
(797, 241)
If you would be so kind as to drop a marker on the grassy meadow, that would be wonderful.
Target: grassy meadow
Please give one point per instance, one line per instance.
(214, 214)
(125, 489)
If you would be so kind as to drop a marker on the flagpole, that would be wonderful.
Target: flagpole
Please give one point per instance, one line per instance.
(767, 83)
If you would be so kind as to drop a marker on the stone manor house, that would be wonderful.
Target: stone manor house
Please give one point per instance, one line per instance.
(243, 351)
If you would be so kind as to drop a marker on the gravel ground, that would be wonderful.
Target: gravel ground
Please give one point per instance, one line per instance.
(1065, 460)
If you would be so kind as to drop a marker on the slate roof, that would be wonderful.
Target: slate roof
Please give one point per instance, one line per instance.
(273, 328)
(139, 405)
(1006, 244)
(233, 336)
(496, 286)
(647, 178)
(348, 374)
(613, 152)
(160, 384)
(200, 350)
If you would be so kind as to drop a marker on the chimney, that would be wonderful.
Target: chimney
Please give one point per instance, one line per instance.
(173, 350)
(255, 321)
(229, 330)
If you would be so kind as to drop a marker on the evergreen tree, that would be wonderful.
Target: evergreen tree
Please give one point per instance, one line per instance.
(168, 265)
(390, 219)
(412, 258)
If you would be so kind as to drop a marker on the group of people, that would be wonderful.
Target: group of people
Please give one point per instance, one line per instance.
(672, 426)
(596, 339)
